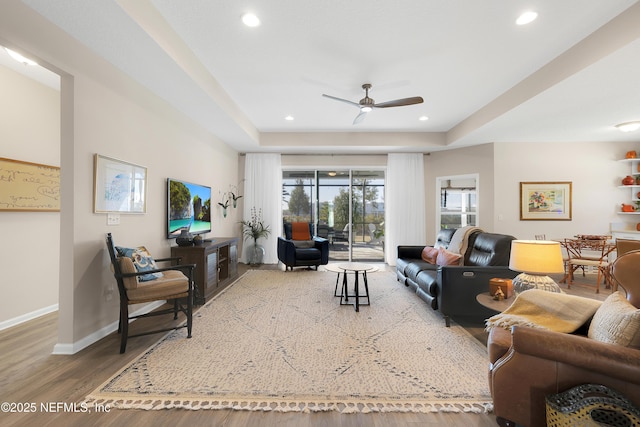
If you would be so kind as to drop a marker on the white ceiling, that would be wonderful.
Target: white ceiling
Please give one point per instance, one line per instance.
(569, 76)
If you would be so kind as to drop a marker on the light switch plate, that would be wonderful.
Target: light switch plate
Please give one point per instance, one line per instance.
(113, 219)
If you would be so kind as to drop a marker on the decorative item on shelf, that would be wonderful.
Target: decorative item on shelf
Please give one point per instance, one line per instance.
(185, 238)
(499, 295)
(628, 208)
(638, 180)
(535, 259)
(224, 203)
(628, 180)
(631, 154)
(638, 226)
(255, 229)
(197, 239)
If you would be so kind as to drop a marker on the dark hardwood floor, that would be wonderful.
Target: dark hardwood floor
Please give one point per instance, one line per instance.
(31, 375)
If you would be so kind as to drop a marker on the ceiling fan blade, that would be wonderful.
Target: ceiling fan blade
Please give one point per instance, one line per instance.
(400, 102)
(359, 118)
(342, 100)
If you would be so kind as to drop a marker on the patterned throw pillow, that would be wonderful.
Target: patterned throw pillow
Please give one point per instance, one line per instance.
(617, 321)
(142, 260)
(446, 257)
(430, 254)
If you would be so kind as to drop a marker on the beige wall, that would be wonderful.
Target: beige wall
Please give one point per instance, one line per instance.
(29, 131)
(103, 111)
(593, 169)
(462, 161)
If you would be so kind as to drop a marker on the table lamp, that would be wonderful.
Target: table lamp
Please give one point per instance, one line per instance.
(535, 259)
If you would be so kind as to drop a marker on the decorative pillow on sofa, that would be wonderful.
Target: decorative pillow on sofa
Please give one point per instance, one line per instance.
(446, 257)
(617, 321)
(142, 260)
(430, 254)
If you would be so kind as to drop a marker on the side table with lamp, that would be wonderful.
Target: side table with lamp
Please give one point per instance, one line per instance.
(535, 259)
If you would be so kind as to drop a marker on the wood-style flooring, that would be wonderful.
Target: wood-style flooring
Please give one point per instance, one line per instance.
(30, 374)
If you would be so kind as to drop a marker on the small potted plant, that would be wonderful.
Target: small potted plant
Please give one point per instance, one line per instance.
(255, 229)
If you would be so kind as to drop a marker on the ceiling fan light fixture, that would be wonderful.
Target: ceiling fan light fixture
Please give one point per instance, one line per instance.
(527, 17)
(250, 20)
(365, 109)
(628, 126)
(423, 118)
(20, 58)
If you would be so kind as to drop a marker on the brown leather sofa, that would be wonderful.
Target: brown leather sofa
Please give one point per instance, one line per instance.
(528, 364)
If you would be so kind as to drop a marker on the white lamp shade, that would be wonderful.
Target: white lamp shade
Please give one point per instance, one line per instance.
(536, 257)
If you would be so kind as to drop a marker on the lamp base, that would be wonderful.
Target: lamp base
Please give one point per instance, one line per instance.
(525, 281)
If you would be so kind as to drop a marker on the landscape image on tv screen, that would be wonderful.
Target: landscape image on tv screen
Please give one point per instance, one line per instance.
(189, 207)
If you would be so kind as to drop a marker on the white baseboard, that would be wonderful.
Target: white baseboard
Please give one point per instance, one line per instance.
(28, 316)
(101, 333)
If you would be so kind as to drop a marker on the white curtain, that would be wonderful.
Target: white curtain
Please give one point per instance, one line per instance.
(405, 222)
(263, 190)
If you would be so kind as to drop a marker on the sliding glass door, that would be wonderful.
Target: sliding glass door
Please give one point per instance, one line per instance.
(334, 212)
(346, 206)
(298, 196)
(367, 207)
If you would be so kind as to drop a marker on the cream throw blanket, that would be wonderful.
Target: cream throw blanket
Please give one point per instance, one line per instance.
(547, 310)
(460, 240)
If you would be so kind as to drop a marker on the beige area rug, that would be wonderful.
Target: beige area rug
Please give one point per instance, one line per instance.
(280, 341)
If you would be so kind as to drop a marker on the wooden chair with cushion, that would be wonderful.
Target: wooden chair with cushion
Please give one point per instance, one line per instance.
(589, 253)
(141, 281)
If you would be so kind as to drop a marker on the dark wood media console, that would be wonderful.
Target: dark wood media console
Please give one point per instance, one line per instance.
(216, 263)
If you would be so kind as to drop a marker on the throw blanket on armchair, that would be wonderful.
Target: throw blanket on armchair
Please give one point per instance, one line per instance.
(547, 310)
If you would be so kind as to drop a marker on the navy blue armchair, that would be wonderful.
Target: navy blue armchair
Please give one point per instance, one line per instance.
(307, 250)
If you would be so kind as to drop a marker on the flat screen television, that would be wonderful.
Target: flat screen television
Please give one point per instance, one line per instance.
(188, 207)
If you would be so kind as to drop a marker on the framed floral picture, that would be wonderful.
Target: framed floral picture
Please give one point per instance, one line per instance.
(545, 201)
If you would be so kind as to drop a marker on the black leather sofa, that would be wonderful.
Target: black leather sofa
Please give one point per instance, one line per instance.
(453, 289)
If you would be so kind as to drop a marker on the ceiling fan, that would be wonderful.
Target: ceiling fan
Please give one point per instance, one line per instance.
(366, 104)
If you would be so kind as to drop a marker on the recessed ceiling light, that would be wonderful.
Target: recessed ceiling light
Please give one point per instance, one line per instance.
(629, 126)
(250, 20)
(527, 17)
(289, 118)
(423, 118)
(20, 58)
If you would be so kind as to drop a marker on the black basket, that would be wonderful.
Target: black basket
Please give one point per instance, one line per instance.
(591, 405)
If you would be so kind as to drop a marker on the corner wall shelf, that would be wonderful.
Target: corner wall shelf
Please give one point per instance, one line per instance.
(635, 172)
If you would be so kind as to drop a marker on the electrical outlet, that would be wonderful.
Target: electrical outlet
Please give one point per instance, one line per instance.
(108, 295)
(113, 219)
